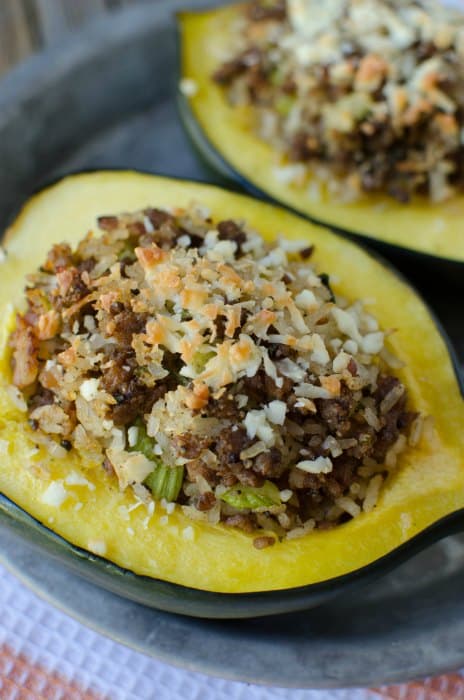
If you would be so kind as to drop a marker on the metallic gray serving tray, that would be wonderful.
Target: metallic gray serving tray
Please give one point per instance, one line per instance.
(106, 99)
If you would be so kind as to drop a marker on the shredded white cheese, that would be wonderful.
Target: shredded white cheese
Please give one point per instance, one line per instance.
(75, 479)
(131, 468)
(320, 465)
(54, 495)
(257, 426)
(306, 300)
(89, 389)
(372, 343)
(341, 362)
(188, 533)
(275, 412)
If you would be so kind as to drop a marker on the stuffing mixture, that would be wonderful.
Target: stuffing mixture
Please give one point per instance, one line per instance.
(197, 364)
(368, 95)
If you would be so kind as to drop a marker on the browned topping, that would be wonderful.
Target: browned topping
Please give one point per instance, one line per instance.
(367, 110)
(59, 256)
(25, 360)
(172, 340)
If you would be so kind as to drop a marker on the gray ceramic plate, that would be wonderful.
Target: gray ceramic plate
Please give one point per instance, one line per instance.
(106, 99)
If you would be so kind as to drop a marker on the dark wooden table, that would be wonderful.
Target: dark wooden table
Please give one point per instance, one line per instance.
(29, 25)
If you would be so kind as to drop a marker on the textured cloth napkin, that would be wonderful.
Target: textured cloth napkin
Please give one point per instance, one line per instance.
(45, 655)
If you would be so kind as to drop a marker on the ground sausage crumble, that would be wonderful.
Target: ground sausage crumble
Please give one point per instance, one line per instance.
(196, 363)
(365, 95)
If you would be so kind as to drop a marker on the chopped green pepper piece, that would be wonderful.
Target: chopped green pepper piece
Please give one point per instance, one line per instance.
(144, 444)
(127, 252)
(277, 77)
(252, 497)
(200, 360)
(165, 482)
(284, 105)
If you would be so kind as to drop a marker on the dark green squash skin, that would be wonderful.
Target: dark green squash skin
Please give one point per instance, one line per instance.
(174, 598)
(182, 600)
(411, 262)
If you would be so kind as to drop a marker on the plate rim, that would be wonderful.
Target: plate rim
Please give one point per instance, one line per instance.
(203, 666)
(14, 89)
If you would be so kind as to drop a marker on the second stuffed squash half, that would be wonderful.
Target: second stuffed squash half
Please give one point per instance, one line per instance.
(83, 501)
(221, 118)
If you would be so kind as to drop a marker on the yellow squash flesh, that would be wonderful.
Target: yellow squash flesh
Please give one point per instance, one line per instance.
(420, 225)
(428, 485)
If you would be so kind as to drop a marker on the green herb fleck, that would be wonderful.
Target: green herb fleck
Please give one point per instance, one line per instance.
(284, 105)
(252, 497)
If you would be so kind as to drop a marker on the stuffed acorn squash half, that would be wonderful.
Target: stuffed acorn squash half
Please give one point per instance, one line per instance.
(206, 390)
(350, 113)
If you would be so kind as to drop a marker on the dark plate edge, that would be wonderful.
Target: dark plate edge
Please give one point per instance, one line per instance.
(206, 666)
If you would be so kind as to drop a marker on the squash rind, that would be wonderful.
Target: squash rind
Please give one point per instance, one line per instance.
(428, 487)
(197, 603)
